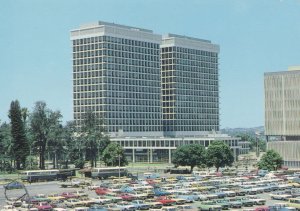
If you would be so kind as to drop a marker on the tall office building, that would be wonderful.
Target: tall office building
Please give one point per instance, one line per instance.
(116, 74)
(190, 85)
(128, 75)
(282, 114)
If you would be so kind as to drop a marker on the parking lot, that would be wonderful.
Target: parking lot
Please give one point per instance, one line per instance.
(198, 192)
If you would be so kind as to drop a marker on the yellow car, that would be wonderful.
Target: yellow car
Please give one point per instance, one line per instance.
(55, 197)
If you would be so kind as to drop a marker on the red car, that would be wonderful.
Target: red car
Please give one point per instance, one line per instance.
(43, 206)
(127, 197)
(102, 191)
(68, 195)
(166, 201)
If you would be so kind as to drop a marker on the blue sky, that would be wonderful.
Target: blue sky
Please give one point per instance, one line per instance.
(255, 36)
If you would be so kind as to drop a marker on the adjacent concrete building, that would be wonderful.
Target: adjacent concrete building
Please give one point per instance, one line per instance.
(190, 85)
(282, 113)
(154, 93)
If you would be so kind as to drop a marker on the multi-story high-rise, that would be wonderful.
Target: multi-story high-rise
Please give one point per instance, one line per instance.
(154, 94)
(190, 85)
(282, 113)
(116, 74)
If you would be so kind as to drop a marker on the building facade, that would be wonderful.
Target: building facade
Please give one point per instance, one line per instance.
(282, 113)
(116, 74)
(154, 93)
(190, 85)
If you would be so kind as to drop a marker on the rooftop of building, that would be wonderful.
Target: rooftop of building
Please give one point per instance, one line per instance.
(170, 35)
(292, 70)
(103, 23)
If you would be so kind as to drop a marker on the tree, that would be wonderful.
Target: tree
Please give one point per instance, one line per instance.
(219, 155)
(71, 150)
(92, 134)
(113, 155)
(20, 145)
(189, 155)
(6, 148)
(251, 138)
(43, 121)
(271, 161)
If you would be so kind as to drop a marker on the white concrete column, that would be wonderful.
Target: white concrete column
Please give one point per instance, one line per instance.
(151, 155)
(170, 156)
(133, 155)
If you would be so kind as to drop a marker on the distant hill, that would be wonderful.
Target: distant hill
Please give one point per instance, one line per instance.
(250, 131)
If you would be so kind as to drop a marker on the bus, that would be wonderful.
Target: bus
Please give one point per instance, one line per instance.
(47, 175)
(104, 173)
(39, 175)
(294, 202)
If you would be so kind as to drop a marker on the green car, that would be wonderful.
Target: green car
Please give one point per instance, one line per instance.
(245, 201)
(231, 203)
(223, 203)
(209, 206)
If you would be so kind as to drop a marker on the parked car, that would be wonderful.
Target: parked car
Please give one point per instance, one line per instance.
(72, 203)
(43, 206)
(69, 195)
(207, 206)
(140, 205)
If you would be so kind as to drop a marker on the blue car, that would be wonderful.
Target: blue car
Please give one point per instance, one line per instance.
(140, 205)
(96, 207)
(160, 192)
(13, 185)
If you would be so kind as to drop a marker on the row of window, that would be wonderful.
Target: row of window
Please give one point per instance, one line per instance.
(191, 128)
(192, 122)
(171, 143)
(121, 81)
(191, 82)
(189, 57)
(204, 109)
(188, 68)
(100, 108)
(107, 46)
(188, 51)
(186, 101)
(97, 66)
(198, 75)
(198, 115)
(177, 62)
(111, 59)
(115, 101)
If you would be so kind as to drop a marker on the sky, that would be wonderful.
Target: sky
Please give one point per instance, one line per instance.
(255, 36)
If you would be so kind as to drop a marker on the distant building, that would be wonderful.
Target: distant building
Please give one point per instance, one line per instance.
(282, 113)
(154, 93)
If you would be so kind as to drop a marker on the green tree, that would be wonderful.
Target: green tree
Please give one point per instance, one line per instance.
(92, 134)
(31, 163)
(56, 143)
(271, 161)
(71, 151)
(113, 154)
(20, 145)
(219, 155)
(6, 148)
(42, 122)
(251, 138)
(189, 155)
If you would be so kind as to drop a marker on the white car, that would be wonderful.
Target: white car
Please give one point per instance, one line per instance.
(27, 207)
(101, 200)
(8, 208)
